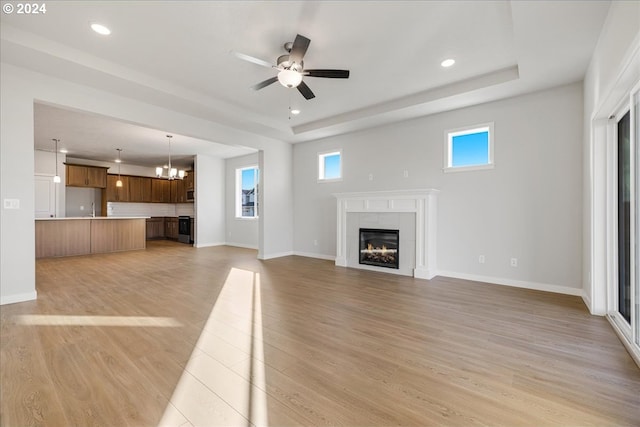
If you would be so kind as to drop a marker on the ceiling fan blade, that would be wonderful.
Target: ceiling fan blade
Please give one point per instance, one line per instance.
(305, 91)
(252, 59)
(331, 74)
(299, 48)
(264, 83)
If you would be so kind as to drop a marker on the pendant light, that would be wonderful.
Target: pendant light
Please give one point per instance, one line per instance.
(172, 173)
(119, 181)
(56, 178)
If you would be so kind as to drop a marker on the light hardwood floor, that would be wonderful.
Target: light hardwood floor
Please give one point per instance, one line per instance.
(174, 335)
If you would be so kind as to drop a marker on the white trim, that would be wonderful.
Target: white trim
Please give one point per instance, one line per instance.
(449, 134)
(317, 256)
(241, 245)
(422, 202)
(587, 302)
(276, 255)
(630, 346)
(238, 196)
(208, 245)
(13, 299)
(468, 168)
(546, 287)
(321, 163)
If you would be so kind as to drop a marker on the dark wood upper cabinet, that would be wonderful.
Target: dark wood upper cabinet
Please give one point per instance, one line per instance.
(86, 176)
(160, 191)
(118, 194)
(140, 189)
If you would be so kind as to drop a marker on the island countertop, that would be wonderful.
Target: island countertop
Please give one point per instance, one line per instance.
(56, 237)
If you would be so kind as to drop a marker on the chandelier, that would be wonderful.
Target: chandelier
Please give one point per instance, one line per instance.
(172, 173)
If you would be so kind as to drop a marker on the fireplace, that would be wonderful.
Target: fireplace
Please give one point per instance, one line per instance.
(379, 247)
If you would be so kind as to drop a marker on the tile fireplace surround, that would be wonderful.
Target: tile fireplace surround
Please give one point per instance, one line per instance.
(423, 203)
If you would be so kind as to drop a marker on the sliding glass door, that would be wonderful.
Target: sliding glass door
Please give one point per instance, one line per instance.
(624, 305)
(635, 291)
(624, 216)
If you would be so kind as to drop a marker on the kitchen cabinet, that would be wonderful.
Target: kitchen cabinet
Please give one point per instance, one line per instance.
(171, 227)
(117, 194)
(155, 228)
(86, 176)
(57, 237)
(139, 189)
(160, 191)
(189, 181)
(173, 187)
(181, 191)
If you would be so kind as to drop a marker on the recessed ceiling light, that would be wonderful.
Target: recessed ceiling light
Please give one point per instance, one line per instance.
(118, 161)
(64, 150)
(100, 29)
(295, 112)
(448, 62)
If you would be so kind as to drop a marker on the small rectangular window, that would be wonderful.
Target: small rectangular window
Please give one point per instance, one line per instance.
(247, 192)
(469, 148)
(330, 166)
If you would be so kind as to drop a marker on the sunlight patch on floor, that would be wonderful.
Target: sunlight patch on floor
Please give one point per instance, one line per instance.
(62, 320)
(223, 383)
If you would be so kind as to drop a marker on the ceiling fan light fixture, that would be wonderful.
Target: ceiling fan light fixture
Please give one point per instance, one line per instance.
(289, 78)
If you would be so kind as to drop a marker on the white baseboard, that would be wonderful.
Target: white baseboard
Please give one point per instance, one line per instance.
(12, 299)
(207, 245)
(241, 245)
(276, 255)
(587, 301)
(515, 283)
(313, 255)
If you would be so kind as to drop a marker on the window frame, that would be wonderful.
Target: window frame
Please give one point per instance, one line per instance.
(238, 193)
(321, 165)
(467, 130)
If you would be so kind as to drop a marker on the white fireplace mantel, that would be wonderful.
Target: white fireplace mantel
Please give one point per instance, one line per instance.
(421, 202)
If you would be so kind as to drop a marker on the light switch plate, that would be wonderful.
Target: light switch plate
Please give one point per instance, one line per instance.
(12, 203)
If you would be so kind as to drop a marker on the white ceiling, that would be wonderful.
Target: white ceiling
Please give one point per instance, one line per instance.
(177, 53)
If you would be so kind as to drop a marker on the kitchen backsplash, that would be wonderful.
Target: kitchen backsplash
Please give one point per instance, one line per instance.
(149, 209)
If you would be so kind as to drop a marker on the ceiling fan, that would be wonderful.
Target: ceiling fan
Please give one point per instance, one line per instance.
(291, 68)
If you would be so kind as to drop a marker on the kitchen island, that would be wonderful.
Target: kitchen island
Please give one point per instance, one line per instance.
(57, 237)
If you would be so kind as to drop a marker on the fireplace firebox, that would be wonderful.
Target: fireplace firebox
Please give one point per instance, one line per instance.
(379, 247)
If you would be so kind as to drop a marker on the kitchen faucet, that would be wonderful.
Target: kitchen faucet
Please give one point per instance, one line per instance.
(93, 209)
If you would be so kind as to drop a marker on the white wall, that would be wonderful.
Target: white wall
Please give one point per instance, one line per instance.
(275, 235)
(614, 68)
(528, 207)
(209, 205)
(21, 87)
(241, 232)
(17, 231)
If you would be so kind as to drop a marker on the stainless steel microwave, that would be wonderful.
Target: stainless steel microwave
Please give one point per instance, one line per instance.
(190, 195)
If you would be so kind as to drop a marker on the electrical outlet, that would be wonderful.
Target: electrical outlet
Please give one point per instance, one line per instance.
(315, 243)
(514, 262)
(370, 177)
(81, 208)
(406, 174)
(481, 259)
